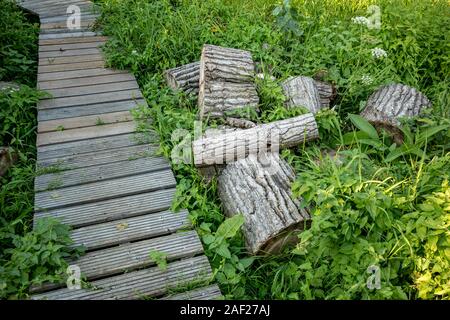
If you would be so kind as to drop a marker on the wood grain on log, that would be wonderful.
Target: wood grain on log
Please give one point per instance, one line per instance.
(390, 102)
(231, 146)
(226, 81)
(327, 93)
(185, 78)
(259, 188)
(301, 92)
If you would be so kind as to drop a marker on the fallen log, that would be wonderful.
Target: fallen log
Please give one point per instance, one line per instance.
(391, 102)
(239, 123)
(185, 78)
(259, 188)
(231, 146)
(301, 92)
(226, 81)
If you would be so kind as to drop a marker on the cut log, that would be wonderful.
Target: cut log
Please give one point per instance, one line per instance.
(327, 93)
(226, 81)
(391, 102)
(259, 188)
(184, 78)
(240, 123)
(7, 159)
(301, 92)
(231, 146)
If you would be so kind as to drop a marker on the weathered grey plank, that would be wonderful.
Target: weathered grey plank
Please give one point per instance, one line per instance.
(99, 173)
(70, 60)
(137, 284)
(99, 157)
(124, 95)
(94, 145)
(206, 293)
(63, 18)
(68, 35)
(87, 81)
(110, 210)
(105, 130)
(94, 89)
(131, 256)
(71, 66)
(49, 27)
(71, 46)
(130, 229)
(77, 74)
(68, 53)
(104, 190)
(72, 39)
(84, 121)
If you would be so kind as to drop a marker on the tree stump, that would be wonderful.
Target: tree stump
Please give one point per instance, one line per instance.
(301, 92)
(231, 146)
(226, 81)
(185, 78)
(259, 188)
(327, 93)
(391, 102)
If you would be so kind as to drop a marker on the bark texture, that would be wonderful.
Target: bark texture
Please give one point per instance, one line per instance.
(240, 123)
(259, 188)
(301, 92)
(386, 105)
(185, 78)
(226, 81)
(327, 93)
(231, 146)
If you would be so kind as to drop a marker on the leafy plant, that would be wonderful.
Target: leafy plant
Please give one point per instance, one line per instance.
(160, 258)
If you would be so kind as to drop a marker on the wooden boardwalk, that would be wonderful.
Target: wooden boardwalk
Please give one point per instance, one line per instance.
(102, 178)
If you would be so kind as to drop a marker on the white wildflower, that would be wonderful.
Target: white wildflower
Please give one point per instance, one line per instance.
(366, 79)
(361, 20)
(379, 53)
(134, 52)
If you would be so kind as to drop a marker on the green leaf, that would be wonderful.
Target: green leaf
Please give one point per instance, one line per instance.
(223, 251)
(230, 227)
(429, 132)
(364, 125)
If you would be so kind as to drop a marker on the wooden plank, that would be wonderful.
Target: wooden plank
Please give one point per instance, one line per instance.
(95, 145)
(130, 229)
(78, 74)
(87, 81)
(99, 173)
(131, 256)
(71, 40)
(137, 284)
(71, 66)
(90, 99)
(96, 88)
(85, 121)
(104, 190)
(68, 35)
(100, 157)
(206, 293)
(63, 18)
(68, 53)
(62, 25)
(70, 60)
(85, 133)
(111, 210)
(71, 46)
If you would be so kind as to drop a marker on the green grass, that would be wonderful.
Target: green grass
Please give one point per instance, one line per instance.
(27, 256)
(387, 206)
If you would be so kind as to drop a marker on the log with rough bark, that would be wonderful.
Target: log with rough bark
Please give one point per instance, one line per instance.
(7, 159)
(327, 93)
(391, 102)
(231, 146)
(301, 92)
(226, 81)
(185, 78)
(239, 123)
(259, 188)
